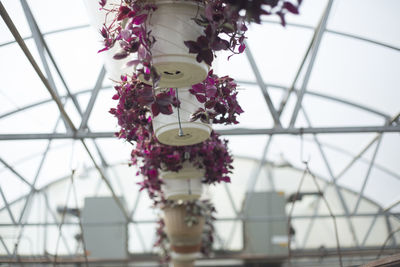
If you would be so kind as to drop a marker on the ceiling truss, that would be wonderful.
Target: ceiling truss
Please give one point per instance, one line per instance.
(83, 132)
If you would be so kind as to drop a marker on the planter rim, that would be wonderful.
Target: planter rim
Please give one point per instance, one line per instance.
(188, 167)
(189, 2)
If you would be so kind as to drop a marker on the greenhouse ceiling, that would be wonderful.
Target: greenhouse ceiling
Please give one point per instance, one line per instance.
(322, 90)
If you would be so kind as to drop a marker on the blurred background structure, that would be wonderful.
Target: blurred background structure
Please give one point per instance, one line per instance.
(318, 145)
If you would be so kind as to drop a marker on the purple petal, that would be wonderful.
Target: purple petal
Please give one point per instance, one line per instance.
(291, 8)
(199, 88)
(139, 19)
(193, 47)
(126, 35)
(155, 110)
(201, 98)
(121, 55)
(242, 47)
(211, 92)
(102, 3)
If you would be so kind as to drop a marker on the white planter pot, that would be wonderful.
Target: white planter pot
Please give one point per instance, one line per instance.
(183, 185)
(182, 237)
(172, 24)
(166, 127)
(183, 189)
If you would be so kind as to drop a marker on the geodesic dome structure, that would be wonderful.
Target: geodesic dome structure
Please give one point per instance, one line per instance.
(322, 90)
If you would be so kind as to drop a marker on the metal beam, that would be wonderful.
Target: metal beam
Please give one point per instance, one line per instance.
(8, 166)
(5, 246)
(262, 86)
(333, 181)
(251, 183)
(353, 36)
(345, 169)
(267, 218)
(320, 31)
(324, 96)
(39, 41)
(288, 92)
(371, 226)
(136, 203)
(49, 33)
(33, 191)
(358, 156)
(65, 116)
(29, 56)
(56, 223)
(391, 206)
(79, 218)
(371, 164)
(361, 159)
(92, 100)
(273, 86)
(234, 131)
(7, 206)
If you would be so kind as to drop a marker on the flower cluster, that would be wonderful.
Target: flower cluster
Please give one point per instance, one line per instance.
(128, 28)
(219, 96)
(224, 27)
(152, 157)
(136, 100)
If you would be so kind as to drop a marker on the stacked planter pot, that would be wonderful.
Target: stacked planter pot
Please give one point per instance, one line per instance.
(167, 127)
(185, 240)
(170, 45)
(183, 185)
(153, 36)
(172, 24)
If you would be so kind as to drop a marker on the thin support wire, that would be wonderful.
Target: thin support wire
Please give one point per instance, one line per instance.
(55, 220)
(367, 176)
(330, 213)
(290, 217)
(387, 240)
(332, 176)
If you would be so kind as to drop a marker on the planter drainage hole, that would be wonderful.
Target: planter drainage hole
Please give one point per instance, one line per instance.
(172, 74)
(183, 137)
